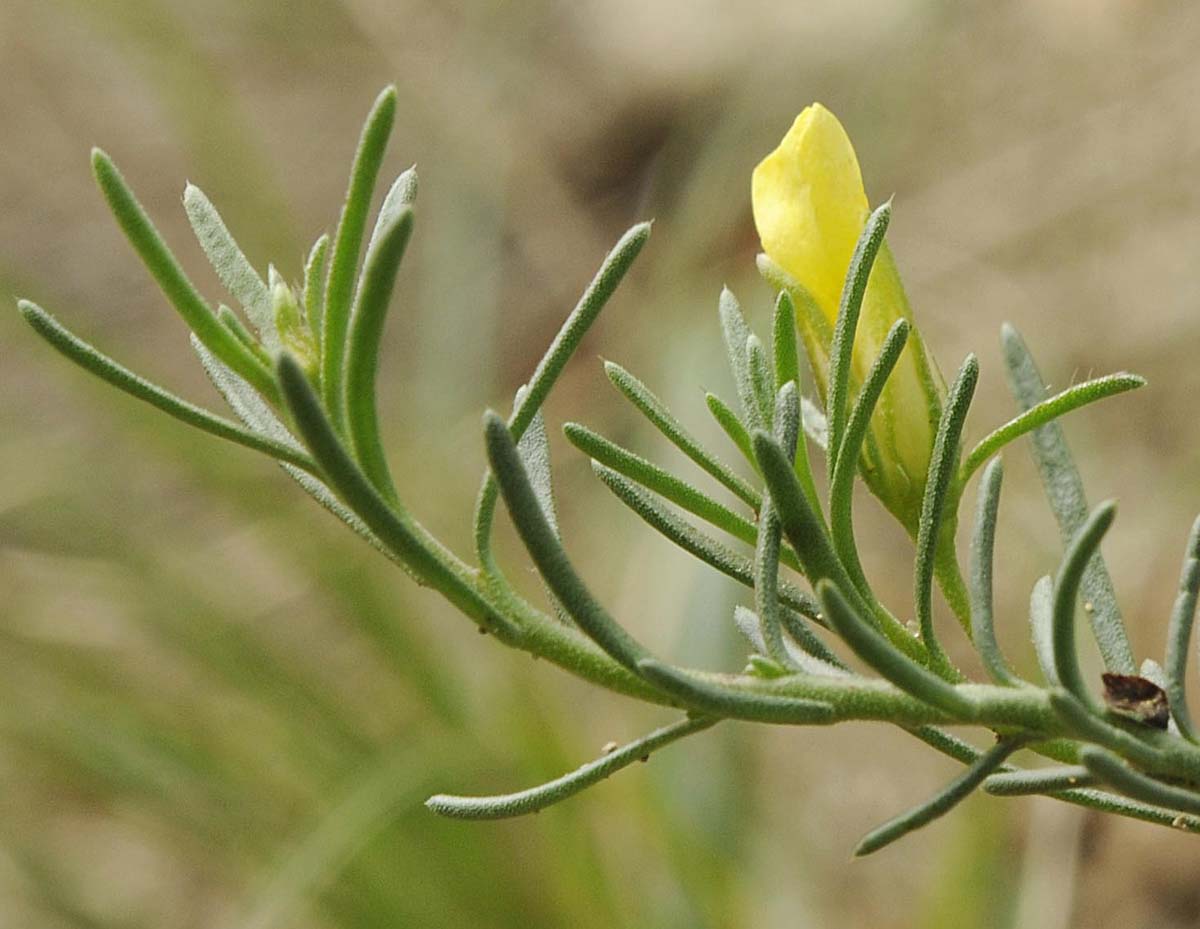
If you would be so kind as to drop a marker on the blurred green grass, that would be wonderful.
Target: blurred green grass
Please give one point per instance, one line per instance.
(219, 709)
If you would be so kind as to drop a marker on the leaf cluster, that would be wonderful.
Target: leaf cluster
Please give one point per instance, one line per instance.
(298, 369)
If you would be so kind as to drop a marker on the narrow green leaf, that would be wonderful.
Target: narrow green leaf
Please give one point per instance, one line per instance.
(942, 802)
(1098, 800)
(1039, 781)
(1066, 589)
(104, 367)
(1064, 489)
(172, 280)
(814, 328)
(732, 426)
(362, 350)
(235, 272)
(1049, 409)
(1114, 772)
(1041, 627)
(1084, 722)
(548, 794)
(717, 700)
(1179, 635)
(429, 559)
(654, 410)
(1104, 802)
(983, 544)
(798, 631)
(696, 543)
(783, 341)
(798, 657)
(401, 196)
(939, 488)
(612, 271)
(666, 485)
(837, 407)
(762, 379)
(736, 333)
(547, 552)
(804, 530)
(841, 488)
(343, 268)
(893, 665)
(314, 287)
(231, 321)
(534, 449)
(786, 416)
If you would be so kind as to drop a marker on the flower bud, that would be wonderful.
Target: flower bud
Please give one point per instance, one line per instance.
(810, 208)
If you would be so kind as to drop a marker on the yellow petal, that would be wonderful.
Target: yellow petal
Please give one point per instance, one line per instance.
(810, 205)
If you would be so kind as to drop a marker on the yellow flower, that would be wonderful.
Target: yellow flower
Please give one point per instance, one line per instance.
(810, 208)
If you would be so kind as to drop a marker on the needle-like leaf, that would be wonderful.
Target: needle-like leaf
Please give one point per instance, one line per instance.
(104, 367)
(235, 271)
(1179, 635)
(171, 278)
(1038, 781)
(696, 543)
(837, 407)
(705, 696)
(667, 485)
(728, 420)
(430, 561)
(1049, 409)
(547, 552)
(314, 286)
(1114, 772)
(939, 487)
(362, 349)
(841, 488)
(347, 244)
(1064, 490)
(654, 410)
(786, 416)
(737, 334)
(612, 271)
(983, 543)
(881, 655)
(548, 794)
(1066, 589)
(942, 802)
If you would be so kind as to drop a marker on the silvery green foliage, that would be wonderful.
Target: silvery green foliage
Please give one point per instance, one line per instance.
(300, 378)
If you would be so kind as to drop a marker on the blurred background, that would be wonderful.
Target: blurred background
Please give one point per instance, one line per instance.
(219, 709)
